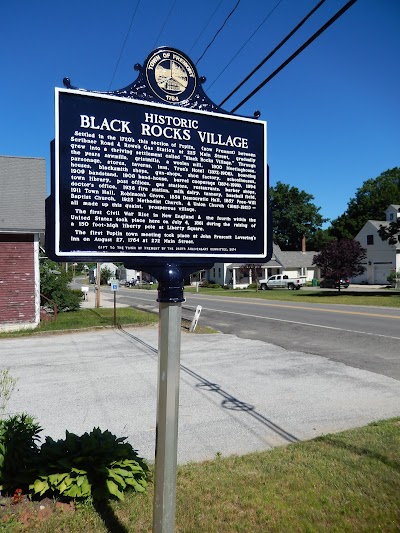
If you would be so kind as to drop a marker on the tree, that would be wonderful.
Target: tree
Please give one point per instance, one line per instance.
(391, 232)
(255, 269)
(370, 202)
(54, 286)
(319, 240)
(341, 259)
(293, 216)
(105, 275)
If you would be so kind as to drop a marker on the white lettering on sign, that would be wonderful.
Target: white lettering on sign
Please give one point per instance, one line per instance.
(168, 133)
(112, 125)
(216, 138)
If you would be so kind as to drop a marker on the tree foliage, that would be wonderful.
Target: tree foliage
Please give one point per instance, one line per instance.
(370, 203)
(54, 286)
(391, 232)
(341, 259)
(105, 275)
(255, 269)
(294, 215)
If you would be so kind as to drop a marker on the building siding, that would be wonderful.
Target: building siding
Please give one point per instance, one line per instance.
(17, 279)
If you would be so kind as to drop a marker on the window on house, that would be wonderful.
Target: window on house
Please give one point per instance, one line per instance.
(213, 272)
(390, 216)
(219, 271)
(370, 239)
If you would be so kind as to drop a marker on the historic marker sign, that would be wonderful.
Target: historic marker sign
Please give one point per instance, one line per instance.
(157, 176)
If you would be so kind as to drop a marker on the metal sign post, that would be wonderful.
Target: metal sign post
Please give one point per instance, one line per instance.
(170, 298)
(114, 288)
(158, 177)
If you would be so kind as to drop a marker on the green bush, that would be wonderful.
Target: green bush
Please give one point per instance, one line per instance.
(54, 285)
(392, 276)
(96, 464)
(252, 286)
(19, 435)
(210, 284)
(105, 275)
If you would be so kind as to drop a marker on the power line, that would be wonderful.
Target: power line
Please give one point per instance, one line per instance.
(299, 25)
(215, 36)
(165, 22)
(123, 46)
(295, 54)
(241, 48)
(206, 26)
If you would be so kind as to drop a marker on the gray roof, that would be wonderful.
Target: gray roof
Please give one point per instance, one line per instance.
(295, 259)
(23, 194)
(378, 223)
(289, 259)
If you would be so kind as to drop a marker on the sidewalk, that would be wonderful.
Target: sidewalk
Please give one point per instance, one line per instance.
(106, 298)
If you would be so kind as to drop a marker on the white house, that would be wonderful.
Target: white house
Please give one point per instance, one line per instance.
(291, 263)
(382, 257)
(93, 271)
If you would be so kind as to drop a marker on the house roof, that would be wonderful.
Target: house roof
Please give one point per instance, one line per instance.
(23, 194)
(378, 223)
(295, 259)
(289, 259)
(272, 263)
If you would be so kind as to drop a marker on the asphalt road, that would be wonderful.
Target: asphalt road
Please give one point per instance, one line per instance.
(361, 337)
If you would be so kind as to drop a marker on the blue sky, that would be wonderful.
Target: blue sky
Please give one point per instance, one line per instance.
(332, 114)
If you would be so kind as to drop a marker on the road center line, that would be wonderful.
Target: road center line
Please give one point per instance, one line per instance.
(301, 323)
(304, 308)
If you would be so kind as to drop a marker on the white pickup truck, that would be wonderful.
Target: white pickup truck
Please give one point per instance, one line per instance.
(281, 281)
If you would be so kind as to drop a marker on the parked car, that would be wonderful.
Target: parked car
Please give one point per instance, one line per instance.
(331, 283)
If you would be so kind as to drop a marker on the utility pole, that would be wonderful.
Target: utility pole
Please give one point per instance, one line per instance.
(98, 274)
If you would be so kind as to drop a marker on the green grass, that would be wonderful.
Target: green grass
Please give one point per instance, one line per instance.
(100, 317)
(346, 482)
(391, 298)
(91, 318)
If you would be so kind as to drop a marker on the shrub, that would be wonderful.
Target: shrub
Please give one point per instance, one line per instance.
(19, 435)
(210, 284)
(105, 275)
(96, 464)
(252, 286)
(392, 276)
(54, 285)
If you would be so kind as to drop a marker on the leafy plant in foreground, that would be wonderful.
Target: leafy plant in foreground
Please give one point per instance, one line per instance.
(19, 435)
(96, 464)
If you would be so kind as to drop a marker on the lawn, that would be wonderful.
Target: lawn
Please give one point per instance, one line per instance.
(390, 298)
(346, 482)
(91, 318)
(99, 318)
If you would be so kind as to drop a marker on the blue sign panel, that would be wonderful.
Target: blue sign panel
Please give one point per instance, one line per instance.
(136, 179)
